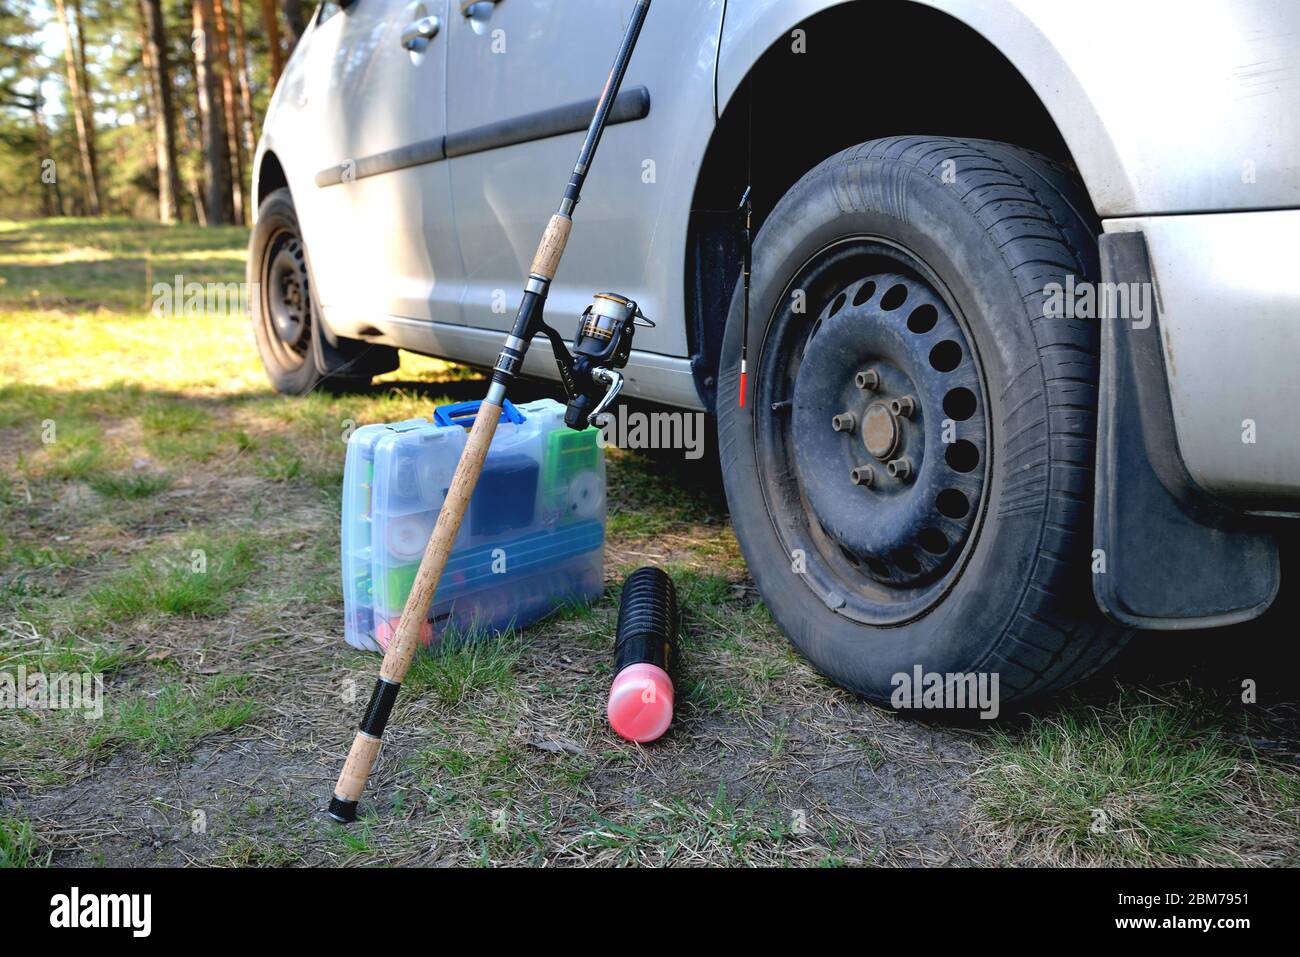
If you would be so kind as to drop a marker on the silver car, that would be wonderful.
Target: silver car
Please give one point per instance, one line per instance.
(1023, 324)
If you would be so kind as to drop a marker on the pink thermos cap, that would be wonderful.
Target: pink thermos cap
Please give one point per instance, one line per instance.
(641, 702)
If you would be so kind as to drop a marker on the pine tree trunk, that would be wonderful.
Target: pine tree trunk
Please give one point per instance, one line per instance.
(216, 154)
(84, 143)
(189, 139)
(245, 89)
(148, 101)
(234, 139)
(272, 27)
(164, 108)
(87, 102)
(52, 197)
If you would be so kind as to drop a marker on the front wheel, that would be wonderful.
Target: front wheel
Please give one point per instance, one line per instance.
(910, 478)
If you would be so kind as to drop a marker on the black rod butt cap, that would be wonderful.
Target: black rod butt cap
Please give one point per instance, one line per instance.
(345, 812)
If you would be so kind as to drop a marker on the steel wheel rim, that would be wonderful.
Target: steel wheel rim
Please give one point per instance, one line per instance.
(285, 298)
(913, 535)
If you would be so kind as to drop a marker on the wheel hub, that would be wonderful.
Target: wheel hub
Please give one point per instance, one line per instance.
(880, 432)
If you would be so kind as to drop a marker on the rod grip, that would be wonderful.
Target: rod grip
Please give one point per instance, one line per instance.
(406, 641)
(547, 258)
(352, 780)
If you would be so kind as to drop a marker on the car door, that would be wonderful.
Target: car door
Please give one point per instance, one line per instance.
(381, 234)
(509, 63)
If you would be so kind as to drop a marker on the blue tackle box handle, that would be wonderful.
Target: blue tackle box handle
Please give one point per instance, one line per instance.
(463, 413)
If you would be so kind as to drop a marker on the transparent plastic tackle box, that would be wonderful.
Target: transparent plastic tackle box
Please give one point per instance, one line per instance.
(532, 539)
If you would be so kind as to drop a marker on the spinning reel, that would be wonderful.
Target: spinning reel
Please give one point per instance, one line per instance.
(601, 346)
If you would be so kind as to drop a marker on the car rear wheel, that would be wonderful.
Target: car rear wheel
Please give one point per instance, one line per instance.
(910, 477)
(296, 354)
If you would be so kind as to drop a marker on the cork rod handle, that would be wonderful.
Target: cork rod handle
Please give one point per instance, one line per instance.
(406, 640)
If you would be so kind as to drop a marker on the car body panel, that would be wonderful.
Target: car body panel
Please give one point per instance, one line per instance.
(510, 61)
(1179, 122)
(1230, 323)
(351, 90)
(1165, 107)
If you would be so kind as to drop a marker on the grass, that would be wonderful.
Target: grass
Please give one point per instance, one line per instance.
(75, 452)
(462, 666)
(718, 832)
(19, 846)
(177, 717)
(71, 655)
(491, 772)
(175, 418)
(129, 486)
(168, 523)
(247, 852)
(1144, 783)
(179, 432)
(195, 582)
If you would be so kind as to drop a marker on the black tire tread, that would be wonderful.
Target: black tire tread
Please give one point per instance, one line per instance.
(1033, 208)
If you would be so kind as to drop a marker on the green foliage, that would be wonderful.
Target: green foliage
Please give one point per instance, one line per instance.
(1140, 783)
(177, 717)
(33, 78)
(19, 846)
(198, 584)
(463, 665)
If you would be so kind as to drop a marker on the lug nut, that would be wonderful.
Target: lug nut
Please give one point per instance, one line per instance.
(844, 422)
(863, 475)
(904, 406)
(900, 469)
(868, 380)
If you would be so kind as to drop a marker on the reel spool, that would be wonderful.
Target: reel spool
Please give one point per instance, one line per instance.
(605, 327)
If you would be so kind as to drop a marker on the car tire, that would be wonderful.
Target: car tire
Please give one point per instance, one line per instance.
(291, 341)
(902, 282)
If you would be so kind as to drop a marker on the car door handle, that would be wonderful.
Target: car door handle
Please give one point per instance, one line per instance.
(417, 35)
(467, 6)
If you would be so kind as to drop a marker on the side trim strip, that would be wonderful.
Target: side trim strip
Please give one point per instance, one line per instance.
(633, 104)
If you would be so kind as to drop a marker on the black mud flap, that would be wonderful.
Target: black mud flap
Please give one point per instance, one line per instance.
(349, 357)
(1167, 557)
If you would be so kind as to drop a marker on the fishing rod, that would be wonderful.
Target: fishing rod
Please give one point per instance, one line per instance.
(601, 346)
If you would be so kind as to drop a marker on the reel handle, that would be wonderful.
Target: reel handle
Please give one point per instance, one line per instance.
(613, 379)
(580, 412)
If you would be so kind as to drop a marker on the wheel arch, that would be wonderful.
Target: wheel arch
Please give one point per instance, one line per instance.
(797, 120)
(269, 177)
